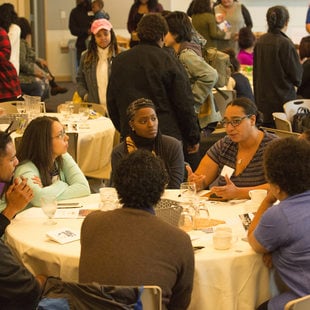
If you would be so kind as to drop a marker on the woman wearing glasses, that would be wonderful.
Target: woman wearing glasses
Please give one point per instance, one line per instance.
(241, 149)
(44, 161)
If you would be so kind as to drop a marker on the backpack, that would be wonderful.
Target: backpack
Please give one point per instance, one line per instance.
(219, 61)
(301, 120)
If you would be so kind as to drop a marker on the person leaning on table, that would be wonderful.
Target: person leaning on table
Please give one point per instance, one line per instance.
(241, 149)
(19, 289)
(132, 246)
(47, 165)
(282, 232)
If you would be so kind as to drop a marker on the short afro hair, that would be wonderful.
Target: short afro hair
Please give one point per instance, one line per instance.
(152, 27)
(140, 179)
(287, 164)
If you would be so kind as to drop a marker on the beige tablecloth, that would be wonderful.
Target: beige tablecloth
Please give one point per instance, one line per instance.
(224, 279)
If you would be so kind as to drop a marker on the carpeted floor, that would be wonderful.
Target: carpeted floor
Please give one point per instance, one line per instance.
(53, 101)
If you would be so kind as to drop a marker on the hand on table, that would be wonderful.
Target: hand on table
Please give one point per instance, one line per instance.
(228, 191)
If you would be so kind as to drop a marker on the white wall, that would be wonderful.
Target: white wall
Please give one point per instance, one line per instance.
(60, 63)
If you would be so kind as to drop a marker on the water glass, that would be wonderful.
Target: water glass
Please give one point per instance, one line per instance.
(186, 221)
(49, 207)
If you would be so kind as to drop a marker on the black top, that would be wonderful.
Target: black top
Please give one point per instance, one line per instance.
(304, 88)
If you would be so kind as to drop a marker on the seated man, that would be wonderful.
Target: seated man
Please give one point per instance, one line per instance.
(19, 289)
(130, 245)
(282, 232)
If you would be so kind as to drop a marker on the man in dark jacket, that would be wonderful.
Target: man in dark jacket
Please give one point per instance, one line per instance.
(19, 289)
(79, 25)
(150, 71)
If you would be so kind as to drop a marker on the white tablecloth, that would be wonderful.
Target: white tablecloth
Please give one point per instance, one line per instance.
(224, 279)
(94, 146)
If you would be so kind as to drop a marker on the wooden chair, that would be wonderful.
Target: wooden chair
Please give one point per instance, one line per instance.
(222, 98)
(281, 133)
(302, 303)
(291, 107)
(9, 107)
(151, 297)
(94, 106)
(281, 121)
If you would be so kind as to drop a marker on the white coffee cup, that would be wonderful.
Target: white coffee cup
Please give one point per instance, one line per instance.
(257, 195)
(223, 237)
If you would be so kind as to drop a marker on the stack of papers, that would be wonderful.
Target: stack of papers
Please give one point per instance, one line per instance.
(63, 235)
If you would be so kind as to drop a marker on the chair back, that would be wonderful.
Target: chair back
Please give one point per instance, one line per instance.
(291, 107)
(169, 211)
(9, 107)
(281, 133)
(222, 98)
(151, 297)
(281, 121)
(72, 145)
(302, 303)
(94, 106)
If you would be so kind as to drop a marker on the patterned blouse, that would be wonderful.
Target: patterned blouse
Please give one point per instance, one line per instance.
(224, 152)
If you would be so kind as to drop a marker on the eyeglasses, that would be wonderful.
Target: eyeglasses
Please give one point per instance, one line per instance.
(234, 122)
(61, 135)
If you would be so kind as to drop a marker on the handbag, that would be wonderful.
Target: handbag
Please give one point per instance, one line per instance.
(301, 120)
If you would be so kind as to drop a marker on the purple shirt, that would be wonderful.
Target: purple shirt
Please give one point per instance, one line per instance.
(245, 58)
(284, 231)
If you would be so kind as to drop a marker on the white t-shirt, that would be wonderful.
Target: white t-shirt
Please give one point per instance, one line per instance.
(102, 75)
(14, 37)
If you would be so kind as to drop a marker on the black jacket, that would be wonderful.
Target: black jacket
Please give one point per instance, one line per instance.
(148, 71)
(276, 72)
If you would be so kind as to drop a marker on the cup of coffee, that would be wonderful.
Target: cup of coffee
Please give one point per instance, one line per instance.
(223, 237)
(257, 195)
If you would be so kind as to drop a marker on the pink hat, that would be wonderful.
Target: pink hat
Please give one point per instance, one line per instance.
(99, 24)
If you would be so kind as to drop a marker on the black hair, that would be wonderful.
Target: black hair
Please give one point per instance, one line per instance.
(140, 179)
(277, 17)
(287, 164)
(249, 108)
(25, 27)
(201, 6)
(152, 27)
(246, 38)
(180, 26)
(304, 47)
(8, 16)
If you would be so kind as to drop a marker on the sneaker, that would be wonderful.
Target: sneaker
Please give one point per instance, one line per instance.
(58, 90)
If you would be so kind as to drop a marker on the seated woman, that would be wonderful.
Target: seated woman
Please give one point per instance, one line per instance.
(281, 232)
(34, 75)
(241, 150)
(246, 41)
(238, 81)
(145, 134)
(44, 161)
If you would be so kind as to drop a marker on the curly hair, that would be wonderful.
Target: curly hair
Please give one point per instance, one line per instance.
(277, 17)
(249, 108)
(140, 180)
(287, 164)
(152, 27)
(179, 26)
(8, 16)
(36, 146)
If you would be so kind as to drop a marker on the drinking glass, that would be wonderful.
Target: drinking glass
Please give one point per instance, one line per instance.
(83, 114)
(21, 107)
(186, 221)
(49, 207)
(188, 194)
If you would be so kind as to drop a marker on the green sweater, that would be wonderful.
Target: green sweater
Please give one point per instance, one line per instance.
(206, 25)
(72, 182)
